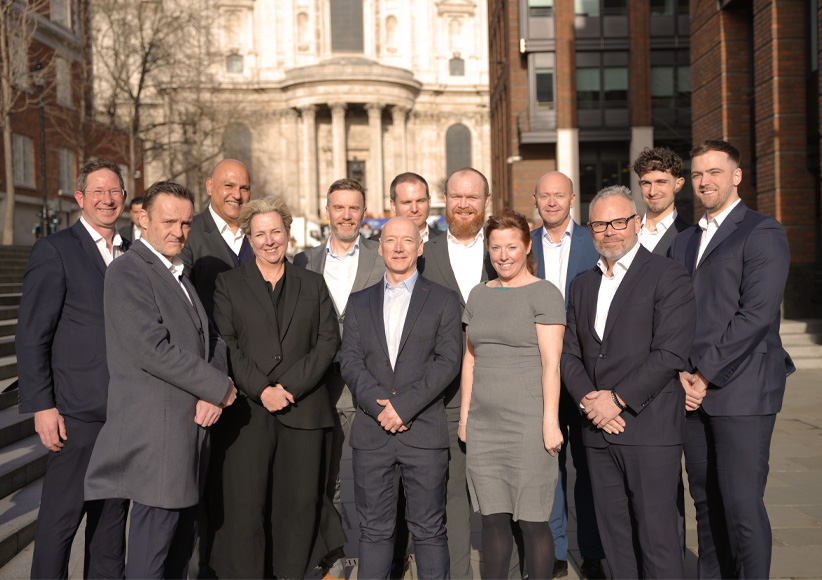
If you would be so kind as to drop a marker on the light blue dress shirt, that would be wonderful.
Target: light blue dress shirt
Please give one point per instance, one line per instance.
(394, 310)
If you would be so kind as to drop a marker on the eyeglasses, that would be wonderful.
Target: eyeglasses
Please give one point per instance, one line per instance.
(114, 193)
(617, 224)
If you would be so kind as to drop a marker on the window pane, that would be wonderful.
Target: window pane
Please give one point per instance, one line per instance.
(234, 64)
(23, 154)
(457, 148)
(347, 25)
(662, 81)
(616, 86)
(67, 170)
(662, 7)
(545, 89)
(614, 7)
(61, 12)
(541, 7)
(586, 7)
(684, 79)
(456, 67)
(63, 82)
(684, 7)
(588, 88)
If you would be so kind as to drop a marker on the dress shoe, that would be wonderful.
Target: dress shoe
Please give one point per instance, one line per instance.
(591, 569)
(560, 569)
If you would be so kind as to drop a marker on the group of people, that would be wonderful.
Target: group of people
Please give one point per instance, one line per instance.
(185, 369)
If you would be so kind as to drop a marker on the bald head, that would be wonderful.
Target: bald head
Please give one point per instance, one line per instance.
(554, 197)
(230, 189)
(400, 246)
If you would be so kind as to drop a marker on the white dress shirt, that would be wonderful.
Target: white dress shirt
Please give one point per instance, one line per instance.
(466, 261)
(650, 239)
(340, 272)
(136, 232)
(609, 285)
(555, 256)
(709, 227)
(234, 241)
(394, 311)
(175, 266)
(425, 234)
(100, 242)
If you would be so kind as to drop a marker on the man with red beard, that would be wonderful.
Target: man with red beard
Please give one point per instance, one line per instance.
(459, 261)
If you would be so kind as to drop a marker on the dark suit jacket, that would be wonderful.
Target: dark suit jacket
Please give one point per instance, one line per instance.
(583, 255)
(427, 361)
(297, 356)
(126, 232)
(435, 264)
(667, 239)
(648, 333)
(739, 286)
(205, 255)
(60, 337)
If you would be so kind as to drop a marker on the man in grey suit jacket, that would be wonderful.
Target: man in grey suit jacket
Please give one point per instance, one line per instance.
(661, 177)
(349, 263)
(168, 382)
(398, 363)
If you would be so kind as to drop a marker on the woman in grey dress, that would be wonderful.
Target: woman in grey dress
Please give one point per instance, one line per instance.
(510, 399)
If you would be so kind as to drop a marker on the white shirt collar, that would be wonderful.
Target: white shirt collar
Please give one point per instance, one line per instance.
(175, 266)
(662, 225)
(96, 236)
(569, 232)
(220, 222)
(703, 221)
(478, 238)
(353, 251)
(622, 264)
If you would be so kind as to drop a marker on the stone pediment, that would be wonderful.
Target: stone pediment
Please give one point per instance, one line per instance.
(456, 7)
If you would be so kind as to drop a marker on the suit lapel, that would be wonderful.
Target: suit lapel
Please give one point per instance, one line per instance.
(591, 304)
(439, 253)
(536, 248)
(573, 257)
(418, 298)
(365, 263)
(726, 229)
(376, 298)
(664, 242)
(89, 247)
(626, 288)
(167, 277)
(210, 228)
(198, 307)
(252, 278)
(292, 292)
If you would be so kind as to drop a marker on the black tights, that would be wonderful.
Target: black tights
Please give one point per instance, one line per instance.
(498, 541)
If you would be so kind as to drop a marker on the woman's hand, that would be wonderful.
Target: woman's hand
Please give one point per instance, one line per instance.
(461, 432)
(552, 436)
(276, 398)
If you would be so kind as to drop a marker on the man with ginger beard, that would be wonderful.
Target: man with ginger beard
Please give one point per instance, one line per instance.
(459, 261)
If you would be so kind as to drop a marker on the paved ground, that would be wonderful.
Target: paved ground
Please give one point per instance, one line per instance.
(793, 496)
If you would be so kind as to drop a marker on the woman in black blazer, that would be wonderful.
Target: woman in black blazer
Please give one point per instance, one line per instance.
(267, 472)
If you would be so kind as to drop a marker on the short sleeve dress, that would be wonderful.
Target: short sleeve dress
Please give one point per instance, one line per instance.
(507, 466)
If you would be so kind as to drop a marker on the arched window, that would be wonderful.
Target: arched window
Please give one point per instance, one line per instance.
(456, 66)
(237, 144)
(303, 32)
(391, 33)
(457, 148)
(346, 25)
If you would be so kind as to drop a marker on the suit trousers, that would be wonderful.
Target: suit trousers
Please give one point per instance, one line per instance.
(160, 541)
(635, 489)
(62, 508)
(266, 518)
(423, 473)
(588, 541)
(727, 463)
(457, 504)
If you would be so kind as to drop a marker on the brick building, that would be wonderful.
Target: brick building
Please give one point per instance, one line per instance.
(582, 86)
(57, 73)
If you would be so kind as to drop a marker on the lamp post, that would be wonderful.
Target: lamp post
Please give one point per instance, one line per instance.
(41, 83)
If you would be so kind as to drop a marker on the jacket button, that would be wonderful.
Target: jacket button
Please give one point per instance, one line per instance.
(393, 391)
(601, 355)
(277, 357)
(388, 363)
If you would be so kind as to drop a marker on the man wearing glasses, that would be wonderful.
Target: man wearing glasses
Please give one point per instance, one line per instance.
(631, 322)
(61, 357)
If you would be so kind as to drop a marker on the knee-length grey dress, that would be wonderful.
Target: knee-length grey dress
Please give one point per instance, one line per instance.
(507, 466)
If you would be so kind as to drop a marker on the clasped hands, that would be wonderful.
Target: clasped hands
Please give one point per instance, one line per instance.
(206, 414)
(388, 418)
(696, 387)
(276, 398)
(601, 410)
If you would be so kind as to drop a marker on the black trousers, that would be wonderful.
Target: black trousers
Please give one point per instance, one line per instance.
(160, 541)
(62, 507)
(727, 463)
(635, 489)
(266, 511)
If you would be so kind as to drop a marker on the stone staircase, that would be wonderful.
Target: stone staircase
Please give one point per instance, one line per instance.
(22, 456)
(803, 341)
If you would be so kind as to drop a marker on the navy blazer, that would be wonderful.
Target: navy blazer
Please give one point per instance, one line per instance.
(60, 337)
(647, 336)
(427, 361)
(582, 258)
(739, 285)
(664, 244)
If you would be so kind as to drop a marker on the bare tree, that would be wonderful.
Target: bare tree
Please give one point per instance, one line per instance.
(18, 24)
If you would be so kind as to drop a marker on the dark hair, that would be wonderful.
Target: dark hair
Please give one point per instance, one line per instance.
(407, 177)
(168, 188)
(511, 220)
(136, 201)
(96, 165)
(717, 145)
(658, 159)
(346, 184)
(486, 189)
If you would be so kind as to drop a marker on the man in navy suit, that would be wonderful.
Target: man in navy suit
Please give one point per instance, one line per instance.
(735, 380)
(61, 357)
(401, 349)
(563, 250)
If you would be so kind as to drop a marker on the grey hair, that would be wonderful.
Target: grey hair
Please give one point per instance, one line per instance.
(614, 191)
(266, 205)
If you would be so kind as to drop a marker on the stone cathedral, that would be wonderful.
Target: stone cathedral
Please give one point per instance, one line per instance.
(364, 89)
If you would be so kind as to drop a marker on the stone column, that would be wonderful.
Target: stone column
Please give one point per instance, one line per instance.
(641, 137)
(309, 190)
(568, 163)
(338, 140)
(398, 116)
(376, 195)
(290, 174)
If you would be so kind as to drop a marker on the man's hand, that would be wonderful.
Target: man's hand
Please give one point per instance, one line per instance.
(51, 427)
(615, 426)
(276, 398)
(696, 387)
(600, 407)
(230, 395)
(206, 414)
(388, 417)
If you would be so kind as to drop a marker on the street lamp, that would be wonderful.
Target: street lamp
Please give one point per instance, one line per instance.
(41, 83)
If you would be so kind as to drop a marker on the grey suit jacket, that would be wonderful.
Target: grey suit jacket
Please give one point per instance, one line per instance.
(162, 358)
(667, 239)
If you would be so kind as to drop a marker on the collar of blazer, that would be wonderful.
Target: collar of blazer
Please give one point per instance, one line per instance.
(253, 278)
(435, 253)
(197, 313)
(90, 248)
(728, 226)
(376, 300)
(211, 232)
(632, 277)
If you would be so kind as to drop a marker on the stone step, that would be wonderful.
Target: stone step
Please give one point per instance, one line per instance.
(7, 345)
(8, 367)
(11, 287)
(15, 426)
(21, 463)
(8, 398)
(803, 364)
(8, 312)
(8, 327)
(788, 340)
(787, 327)
(799, 352)
(6, 278)
(10, 299)
(18, 519)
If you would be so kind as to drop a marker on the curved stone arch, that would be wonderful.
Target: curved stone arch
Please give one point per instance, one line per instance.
(238, 144)
(458, 147)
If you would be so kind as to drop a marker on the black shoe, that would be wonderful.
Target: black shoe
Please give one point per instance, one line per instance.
(560, 569)
(591, 569)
